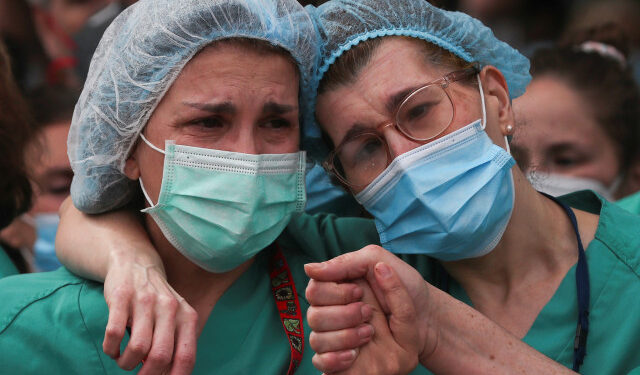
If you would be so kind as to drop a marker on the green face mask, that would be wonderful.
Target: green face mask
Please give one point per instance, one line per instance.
(221, 208)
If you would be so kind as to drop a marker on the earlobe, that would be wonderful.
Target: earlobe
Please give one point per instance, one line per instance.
(131, 169)
(495, 86)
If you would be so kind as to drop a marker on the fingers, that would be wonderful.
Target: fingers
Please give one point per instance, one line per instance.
(334, 361)
(161, 352)
(141, 334)
(321, 293)
(348, 266)
(117, 323)
(184, 357)
(336, 341)
(403, 317)
(333, 318)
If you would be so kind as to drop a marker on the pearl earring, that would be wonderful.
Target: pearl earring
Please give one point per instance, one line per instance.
(509, 128)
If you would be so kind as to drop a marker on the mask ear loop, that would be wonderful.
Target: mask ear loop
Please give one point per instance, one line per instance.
(484, 114)
(144, 191)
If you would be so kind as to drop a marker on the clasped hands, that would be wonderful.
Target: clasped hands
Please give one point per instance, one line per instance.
(369, 314)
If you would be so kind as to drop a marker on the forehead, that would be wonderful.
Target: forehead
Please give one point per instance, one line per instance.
(553, 113)
(236, 68)
(397, 61)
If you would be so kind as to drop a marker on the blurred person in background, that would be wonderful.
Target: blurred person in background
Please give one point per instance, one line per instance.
(623, 13)
(578, 123)
(18, 33)
(15, 188)
(70, 31)
(50, 175)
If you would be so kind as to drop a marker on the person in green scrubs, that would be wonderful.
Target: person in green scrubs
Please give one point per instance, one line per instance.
(560, 276)
(631, 203)
(15, 189)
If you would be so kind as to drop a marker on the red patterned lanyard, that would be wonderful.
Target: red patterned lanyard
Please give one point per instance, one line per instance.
(284, 293)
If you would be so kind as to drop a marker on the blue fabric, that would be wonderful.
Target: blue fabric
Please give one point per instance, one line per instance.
(342, 24)
(139, 57)
(450, 199)
(325, 197)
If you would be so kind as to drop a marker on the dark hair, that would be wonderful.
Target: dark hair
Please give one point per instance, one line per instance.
(51, 104)
(603, 81)
(15, 132)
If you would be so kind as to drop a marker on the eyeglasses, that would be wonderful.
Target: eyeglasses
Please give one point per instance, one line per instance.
(423, 115)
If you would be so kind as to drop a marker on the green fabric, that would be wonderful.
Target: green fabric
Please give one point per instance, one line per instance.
(631, 203)
(7, 268)
(53, 323)
(613, 259)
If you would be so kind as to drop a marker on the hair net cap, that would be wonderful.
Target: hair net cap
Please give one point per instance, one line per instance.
(140, 55)
(342, 24)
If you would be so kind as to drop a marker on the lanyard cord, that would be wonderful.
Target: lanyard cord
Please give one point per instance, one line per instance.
(288, 305)
(582, 284)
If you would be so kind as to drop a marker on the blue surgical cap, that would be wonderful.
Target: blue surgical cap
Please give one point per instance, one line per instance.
(139, 57)
(343, 24)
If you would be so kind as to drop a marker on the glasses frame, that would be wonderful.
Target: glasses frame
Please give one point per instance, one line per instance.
(443, 82)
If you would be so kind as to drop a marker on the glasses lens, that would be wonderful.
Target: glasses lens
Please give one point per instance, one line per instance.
(426, 113)
(361, 159)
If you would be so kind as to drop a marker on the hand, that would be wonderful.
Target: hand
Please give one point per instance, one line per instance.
(393, 349)
(163, 324)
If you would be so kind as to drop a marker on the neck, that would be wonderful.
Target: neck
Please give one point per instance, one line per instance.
(538, 248)
(200, 288)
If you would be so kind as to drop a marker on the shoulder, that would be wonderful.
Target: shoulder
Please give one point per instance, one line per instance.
(7, 268)
(618, 229)
(52, 322)
(631, 203)
(324, 236)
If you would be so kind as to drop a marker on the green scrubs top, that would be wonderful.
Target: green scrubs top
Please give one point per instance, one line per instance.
(631, 203)
(613, 259)
(53, 323)
(7, 268)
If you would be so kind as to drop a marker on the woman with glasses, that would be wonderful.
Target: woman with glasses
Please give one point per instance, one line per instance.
(416, 105)
(420, 138)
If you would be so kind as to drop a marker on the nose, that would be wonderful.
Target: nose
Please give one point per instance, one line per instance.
(398, 143)
(246, 141)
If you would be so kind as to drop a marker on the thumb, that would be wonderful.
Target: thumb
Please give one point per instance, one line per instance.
(403, 321)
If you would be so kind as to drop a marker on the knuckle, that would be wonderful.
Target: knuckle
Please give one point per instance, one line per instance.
(312, 318)
(113, 332)
(160, 357)
(168, 303)
(186, 358)
(189, 314)
(147, 298)
(139, 347)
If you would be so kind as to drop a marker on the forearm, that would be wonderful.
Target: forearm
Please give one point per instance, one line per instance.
(89, 245)
(466, 342)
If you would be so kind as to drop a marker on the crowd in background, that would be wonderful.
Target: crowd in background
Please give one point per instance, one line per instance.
(49, 45)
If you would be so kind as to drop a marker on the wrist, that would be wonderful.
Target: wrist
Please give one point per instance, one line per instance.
(428, 326)
(136, 255)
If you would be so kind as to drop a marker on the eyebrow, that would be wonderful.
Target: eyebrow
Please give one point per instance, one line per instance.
(355, 130)
(226, 107)
(277, 108)
(394, 100)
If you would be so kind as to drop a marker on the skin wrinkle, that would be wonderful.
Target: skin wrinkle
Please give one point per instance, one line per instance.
(224, 74)
(512, 283)
(561, 134)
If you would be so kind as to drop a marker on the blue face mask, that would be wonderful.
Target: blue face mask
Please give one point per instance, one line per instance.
(450, 199)
(44, 250)
(220, 208)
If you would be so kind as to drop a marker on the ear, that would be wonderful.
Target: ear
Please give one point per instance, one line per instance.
(495, 86)
(131, 167)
